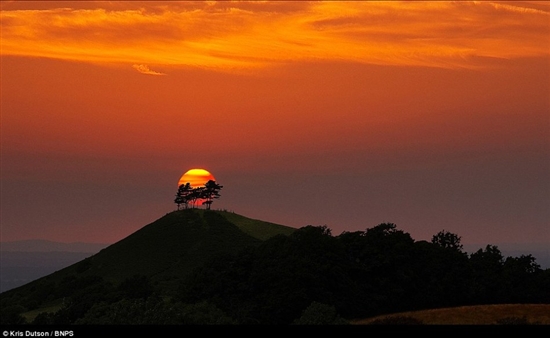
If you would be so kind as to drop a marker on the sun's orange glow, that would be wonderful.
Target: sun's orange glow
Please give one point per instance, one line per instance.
(196, 177)
(392, 98)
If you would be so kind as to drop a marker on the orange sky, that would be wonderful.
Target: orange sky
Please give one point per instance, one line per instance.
(155, 38)
(430, 115)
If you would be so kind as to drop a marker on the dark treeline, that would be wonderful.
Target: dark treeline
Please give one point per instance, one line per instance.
(362, 274)
(309, 277)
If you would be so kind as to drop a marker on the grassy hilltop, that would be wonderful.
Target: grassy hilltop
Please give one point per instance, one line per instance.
(177, 243)
(164, 251)
(174, 245)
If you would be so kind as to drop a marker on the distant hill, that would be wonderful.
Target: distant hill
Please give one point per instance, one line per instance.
(22, 262)
(19, 268)
(38, 245)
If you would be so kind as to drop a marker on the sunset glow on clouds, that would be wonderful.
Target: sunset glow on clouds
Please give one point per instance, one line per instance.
(428, 114)
(242, 35)
(145, 70)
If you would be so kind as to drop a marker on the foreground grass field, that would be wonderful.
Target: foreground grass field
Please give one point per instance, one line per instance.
(538, 314)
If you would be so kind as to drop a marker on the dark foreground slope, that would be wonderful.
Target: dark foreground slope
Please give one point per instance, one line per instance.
(169, 247)
(159, 255)
(172, 246)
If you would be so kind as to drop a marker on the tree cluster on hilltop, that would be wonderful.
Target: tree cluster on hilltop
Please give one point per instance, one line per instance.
(308, 277)
(188, 196)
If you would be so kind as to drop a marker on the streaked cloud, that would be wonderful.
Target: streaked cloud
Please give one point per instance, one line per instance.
(251, 35)
(144, 69)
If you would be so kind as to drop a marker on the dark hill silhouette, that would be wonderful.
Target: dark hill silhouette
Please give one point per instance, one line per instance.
(164, 251)
(169, 247)
(175, 244)
(212, 267)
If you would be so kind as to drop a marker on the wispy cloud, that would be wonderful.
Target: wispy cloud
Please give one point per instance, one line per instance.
(251, 35)
(146, 70)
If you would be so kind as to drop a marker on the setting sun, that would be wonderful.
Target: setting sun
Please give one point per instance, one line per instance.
(346, 113)
(196, 177)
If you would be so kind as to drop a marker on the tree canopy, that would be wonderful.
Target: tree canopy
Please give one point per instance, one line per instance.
(188, 196)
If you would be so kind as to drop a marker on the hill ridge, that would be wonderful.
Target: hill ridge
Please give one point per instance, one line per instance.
(171, 246)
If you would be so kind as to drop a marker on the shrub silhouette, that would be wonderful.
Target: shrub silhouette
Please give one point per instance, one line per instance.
(320, 314)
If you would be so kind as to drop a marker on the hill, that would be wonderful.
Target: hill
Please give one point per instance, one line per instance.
(173, 245)
(168, 248)
(164, 251)
(21, 262)
(213, 267)
(19, 268)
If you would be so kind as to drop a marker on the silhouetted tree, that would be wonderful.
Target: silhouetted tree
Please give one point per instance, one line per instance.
(183, 196)
(187, 195)
(521, 275)
(488, 278)
(195, 195)
(179, 198)
(446, 239)
(210, 192)
(441, 275)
